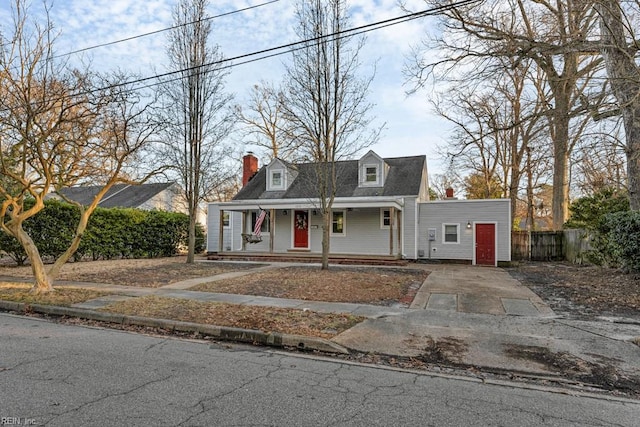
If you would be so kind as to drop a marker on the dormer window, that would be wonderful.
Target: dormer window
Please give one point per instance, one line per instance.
(277, 180)
(370, 175)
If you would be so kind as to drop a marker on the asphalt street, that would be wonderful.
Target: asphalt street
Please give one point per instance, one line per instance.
(62, 375)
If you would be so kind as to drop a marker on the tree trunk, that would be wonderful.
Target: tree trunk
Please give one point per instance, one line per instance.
(624, 77)
(561, 152)
(514, 185)
(73, 247)
(192, 237)
(531, 221)
(326, 235)
(560, 208)
(43, 283)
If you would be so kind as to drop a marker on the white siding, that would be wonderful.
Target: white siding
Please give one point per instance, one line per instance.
(235, 234)
(230, 235)
(363, 235)
(435, 214)
(213, 227)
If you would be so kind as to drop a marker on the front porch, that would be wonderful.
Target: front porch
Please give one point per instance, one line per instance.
(359, 230)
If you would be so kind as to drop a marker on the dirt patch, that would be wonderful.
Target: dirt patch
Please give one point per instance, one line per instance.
(582, 292)
(19, 292)
(603, 375)
(379, 286)
(445, 350)
(151, 273)
(267, 319)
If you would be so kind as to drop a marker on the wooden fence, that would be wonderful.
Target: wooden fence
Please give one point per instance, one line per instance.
(569, 245)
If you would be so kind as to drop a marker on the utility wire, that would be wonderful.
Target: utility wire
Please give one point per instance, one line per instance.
(280, 50)
(208, 18)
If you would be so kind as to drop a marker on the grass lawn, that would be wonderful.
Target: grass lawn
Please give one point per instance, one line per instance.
(365, 285)
(267, 319)
(19, 292)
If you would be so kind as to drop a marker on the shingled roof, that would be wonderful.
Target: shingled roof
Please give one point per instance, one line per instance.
(120, 195)
(404, 178)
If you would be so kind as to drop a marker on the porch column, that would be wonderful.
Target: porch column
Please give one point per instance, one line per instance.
(243, 226)
(272, 228)
(399, 222)
(392, 214)
(221, 231)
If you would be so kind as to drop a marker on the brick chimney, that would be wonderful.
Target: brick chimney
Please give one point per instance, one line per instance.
(449, 193)
(249, 167)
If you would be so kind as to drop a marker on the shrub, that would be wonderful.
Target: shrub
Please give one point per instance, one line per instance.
(587, 212)
(111, 233)
(617, 240)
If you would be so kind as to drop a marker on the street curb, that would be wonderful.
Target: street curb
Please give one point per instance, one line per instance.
(224, 333)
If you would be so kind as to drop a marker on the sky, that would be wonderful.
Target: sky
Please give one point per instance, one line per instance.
(411, 128)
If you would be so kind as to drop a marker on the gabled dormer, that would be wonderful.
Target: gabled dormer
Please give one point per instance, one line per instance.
(372, 170)
(280, 175)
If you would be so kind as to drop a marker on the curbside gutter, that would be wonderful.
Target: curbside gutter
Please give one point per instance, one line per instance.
(223, 333)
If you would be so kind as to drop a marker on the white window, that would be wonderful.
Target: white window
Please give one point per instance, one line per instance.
(451, 233)
(338, 223)
(226, 220)
(385, 218)
(371, 174)
(277, 179)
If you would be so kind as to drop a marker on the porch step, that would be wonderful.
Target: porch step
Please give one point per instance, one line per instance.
(351, 260)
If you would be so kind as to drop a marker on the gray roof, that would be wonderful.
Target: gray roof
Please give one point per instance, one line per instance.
(403, 179)
(120, 195)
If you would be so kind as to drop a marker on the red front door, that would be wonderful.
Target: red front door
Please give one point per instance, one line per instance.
(300, 229)
(486, 244)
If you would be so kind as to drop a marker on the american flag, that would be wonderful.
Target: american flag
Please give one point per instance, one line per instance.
(259, 220)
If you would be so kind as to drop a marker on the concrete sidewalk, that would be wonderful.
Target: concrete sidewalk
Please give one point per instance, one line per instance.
(498, 342)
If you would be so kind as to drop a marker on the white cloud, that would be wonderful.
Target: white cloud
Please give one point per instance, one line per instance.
(412, 129)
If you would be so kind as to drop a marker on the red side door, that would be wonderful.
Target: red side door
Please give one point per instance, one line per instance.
(300, 229)
(486, 244)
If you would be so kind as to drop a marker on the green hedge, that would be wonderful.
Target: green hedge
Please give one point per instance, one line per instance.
(111, 233)
(617, 240)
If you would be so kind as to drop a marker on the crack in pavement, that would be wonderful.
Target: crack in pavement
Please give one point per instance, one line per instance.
(108, 396)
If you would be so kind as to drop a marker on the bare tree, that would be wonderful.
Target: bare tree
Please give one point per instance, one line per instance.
(600, 161)
(554, 35)
(325, 102)
(196, 109)
(494, 124)
(57, 129)
(264, 124)
(619, 47)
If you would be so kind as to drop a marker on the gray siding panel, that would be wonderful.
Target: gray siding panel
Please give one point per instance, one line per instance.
(437, 213)
(409, 228)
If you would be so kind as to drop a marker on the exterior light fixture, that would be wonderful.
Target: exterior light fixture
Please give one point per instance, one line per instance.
(468, 225)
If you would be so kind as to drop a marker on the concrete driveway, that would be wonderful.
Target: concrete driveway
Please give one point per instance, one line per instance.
(481, 316)
(473, 289)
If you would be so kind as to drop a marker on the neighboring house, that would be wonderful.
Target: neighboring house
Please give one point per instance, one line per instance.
(381, 210)
(161, 196)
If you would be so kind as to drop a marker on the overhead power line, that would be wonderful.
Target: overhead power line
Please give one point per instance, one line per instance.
(288, 47)
(137, 36)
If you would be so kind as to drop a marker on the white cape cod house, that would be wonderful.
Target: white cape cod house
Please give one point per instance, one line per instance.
(381, 211)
